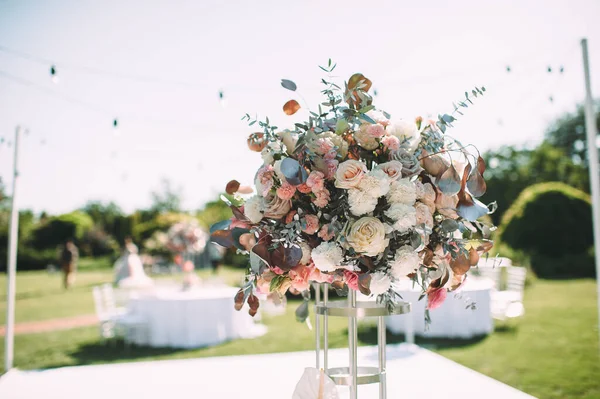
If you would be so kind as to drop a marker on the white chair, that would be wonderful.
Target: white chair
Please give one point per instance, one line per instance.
(489, 272)
(116, 322)
(508, 304)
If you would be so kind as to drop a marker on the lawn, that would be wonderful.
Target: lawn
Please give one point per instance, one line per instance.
(551, 353)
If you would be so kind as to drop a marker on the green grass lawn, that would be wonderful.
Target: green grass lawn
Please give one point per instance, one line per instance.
(551, 353)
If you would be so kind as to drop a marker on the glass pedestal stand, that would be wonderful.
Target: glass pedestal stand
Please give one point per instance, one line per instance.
(353, 375)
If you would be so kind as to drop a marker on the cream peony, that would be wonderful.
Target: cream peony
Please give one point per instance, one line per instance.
(364, 139)
(254, 208)
(367, 236)
(402, 191)
(327, 257)
(406, 132)
(380, 283)
(404, 217)
(376, 183)
(406, 261)
(276, 208)
(289, 140)
(349, 174)
(361, 202)
(393, 169)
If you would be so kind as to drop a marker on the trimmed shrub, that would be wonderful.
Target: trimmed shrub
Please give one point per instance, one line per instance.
(552, 223)
(56, 230)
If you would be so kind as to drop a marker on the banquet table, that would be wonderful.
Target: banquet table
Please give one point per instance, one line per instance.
(454, 318)
(198, 317)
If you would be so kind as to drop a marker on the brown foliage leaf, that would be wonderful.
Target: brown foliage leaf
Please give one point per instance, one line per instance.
(291, 107)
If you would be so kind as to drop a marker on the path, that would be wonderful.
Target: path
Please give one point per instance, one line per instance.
(52, 325)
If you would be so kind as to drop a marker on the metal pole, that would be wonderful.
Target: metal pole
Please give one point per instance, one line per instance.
(352, 346)
(317, 326)
(11, 269)
(381, 348)
(326, 330)
(592, 151)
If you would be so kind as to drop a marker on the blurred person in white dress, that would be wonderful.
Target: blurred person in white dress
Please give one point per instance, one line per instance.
(129, 270)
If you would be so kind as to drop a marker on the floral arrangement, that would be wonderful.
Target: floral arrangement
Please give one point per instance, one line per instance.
(186, 237)
(358, 200)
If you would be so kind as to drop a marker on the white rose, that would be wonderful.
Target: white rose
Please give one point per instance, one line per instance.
(376, 183)
(405, 131)
(306, 253)
(402, 191)
(327, 256)
(404, 217)
(393, 169)
(405, 261)
(275, 207)
(267, 156)
(254, 208)
(367, 236)
(364, 139)
(289, 140)
(361, 202)
(380, 283)
(349, 174)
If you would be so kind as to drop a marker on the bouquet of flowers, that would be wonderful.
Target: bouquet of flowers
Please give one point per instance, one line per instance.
(358, 200)
(186, 237)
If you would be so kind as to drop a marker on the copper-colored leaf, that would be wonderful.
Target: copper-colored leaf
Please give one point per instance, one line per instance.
(427, 256)
(473, 257)
(247, 241)
(368, 262)
(476, 184)
(286, 258)
(435, 165)
(359, 78)
(460, 265)
(449, 181)
(238, 213)
(261, 249)
(291, 107)
(257, 142)
(253, 302)
(232, 187)
(222, 237)
(239, 300)
(364, 284)
(480, 165)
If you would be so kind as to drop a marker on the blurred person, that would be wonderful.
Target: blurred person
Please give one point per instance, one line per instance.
(129, 270)
(68, 262)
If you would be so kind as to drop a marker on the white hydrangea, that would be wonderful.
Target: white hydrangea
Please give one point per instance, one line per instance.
(327, 256)
(361, 202)
(380, 283)
(404, 217)
(254, 208)
(306, 253)
(402, 191)
(406, 261)
(376, 183)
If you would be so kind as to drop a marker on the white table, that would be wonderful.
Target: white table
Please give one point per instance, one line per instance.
(189, 319)
(452, 319)
(412, 372)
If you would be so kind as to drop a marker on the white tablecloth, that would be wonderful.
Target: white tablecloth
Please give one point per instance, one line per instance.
(190, 319)
(452, 319)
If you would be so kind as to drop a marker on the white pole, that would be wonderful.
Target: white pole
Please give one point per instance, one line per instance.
(592, 150)
(12, 264)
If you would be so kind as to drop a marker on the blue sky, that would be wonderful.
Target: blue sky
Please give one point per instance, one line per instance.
(158, 67)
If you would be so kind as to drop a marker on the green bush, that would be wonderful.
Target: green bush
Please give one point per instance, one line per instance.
(56, 230)
(552, 224)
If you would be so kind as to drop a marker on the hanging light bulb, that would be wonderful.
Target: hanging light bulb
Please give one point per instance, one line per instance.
(115, 124)
(222, 99)
(53, 74)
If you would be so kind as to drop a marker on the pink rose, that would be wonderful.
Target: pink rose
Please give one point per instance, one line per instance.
(392, 143)
(286, 191)
(303, 188)
(351, 279)
(299, 276)
(324, 145)
(319, 277)
(331, 166)
(277, 270)
(315, 181)
(312, 224)
(376, 130)
(436, 297)
(324, 233)
(330, 155)
(321, 198)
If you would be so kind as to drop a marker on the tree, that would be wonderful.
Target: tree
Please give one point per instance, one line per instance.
(568, 134)
(513, 169)
(167, 199)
